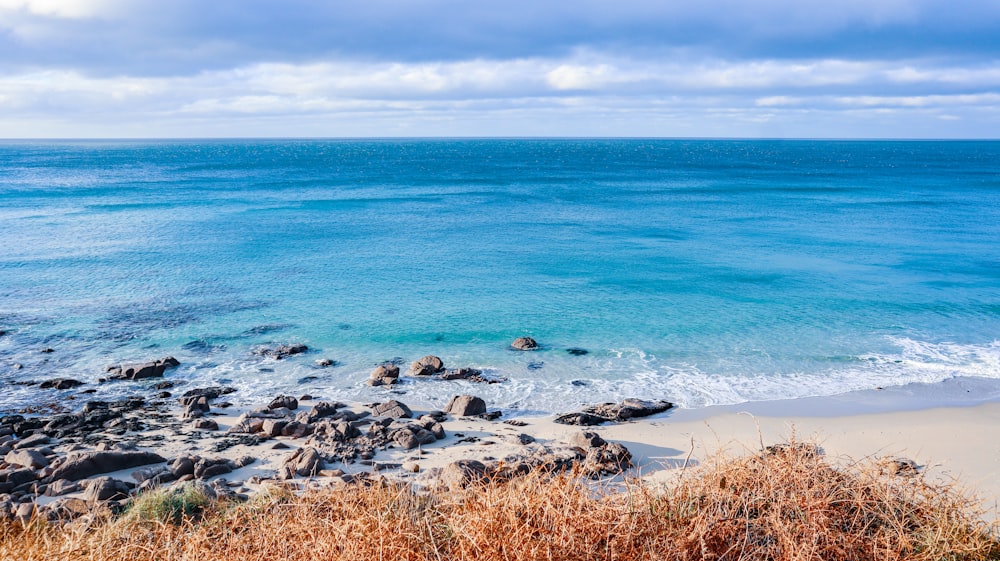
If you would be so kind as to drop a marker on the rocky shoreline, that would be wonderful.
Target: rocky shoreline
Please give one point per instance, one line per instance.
(67, 465)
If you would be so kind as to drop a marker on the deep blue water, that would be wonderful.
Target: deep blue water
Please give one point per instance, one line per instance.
(701, 272)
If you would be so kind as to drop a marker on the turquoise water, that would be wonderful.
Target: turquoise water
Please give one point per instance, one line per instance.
(703, 272)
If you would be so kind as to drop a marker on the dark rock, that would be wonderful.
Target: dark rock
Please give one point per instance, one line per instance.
(140, 371)
(427, 366)
(208, 393)
(384, 375)
(463, 473)
(296, 430)
(60, 384)
(579, 383)
(18, 476)
(182, 466)
(61, 487)
(106, 489)
(38, 439)
(460, 373)
(282, 351)
(68, 508)
(576, 351)
(611, 458)
(466, 406)
(206, 467)
(535, 365)
(285, 401)
(307, 379)
(164, 385)
(47, 350)
(325, 362)
(524, 344)
(393, 409)
(246, 426)
(587, 439)
(490, 415)
(80, 465)
(582, 419)
(205, 424)
(26, 458)
(305, 462)
(628, 409)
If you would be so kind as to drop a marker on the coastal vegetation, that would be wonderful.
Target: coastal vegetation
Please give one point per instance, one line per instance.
(787, 502)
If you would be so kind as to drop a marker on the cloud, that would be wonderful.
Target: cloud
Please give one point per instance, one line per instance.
(661, 67)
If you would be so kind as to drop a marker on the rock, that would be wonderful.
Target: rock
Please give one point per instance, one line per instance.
(80, 465)
(524, 344)
(323, 409)
(28, 458)
(576, 351)
(463, 473)
(582, 419)
(17, 477)
(32, 441)
(61, 487)
(587, 439)
(47, 350)
(273, 427)
(461, 373)
(427, 366)
(281, 351)
(305, 462)
(411, 436)
(392, 409)
(285, 401)
(205, 424)
(106, 489)
(325, 362)
(614, 412)
(246, 425)
(296, 429)
(207, 467)
(410, 467)
(157, 474)
(196, 407)
(67, 508)
(140, 371)
(24, 511)
(384, 375)
(628, 409)
(60, 384)
(209, 393)
(611, 458)
(182, 466)
(466, 406)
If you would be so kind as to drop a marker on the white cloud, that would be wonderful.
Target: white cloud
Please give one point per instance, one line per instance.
(70, 9)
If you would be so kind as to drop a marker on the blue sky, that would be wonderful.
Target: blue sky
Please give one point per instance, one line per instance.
(297, 68)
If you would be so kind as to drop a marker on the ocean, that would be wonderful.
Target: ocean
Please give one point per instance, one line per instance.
(702, 272)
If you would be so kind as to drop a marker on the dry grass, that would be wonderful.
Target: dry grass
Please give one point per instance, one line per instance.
(790, 504)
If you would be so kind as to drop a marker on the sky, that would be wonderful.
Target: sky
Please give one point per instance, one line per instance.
(388, 68)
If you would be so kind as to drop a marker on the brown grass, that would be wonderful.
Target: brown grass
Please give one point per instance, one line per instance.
(788, 504)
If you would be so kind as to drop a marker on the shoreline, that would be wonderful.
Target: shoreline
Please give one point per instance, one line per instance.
(949, 432)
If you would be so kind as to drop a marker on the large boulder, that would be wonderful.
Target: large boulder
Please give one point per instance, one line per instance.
(462, 473)
(629, 409)
(286, 401)
(142, 370)
(614, 412)
(305, 462)
(106, 489)
(60, 384)
(384, 375)
(393, 409)
(26, 457)
(80, 465)
(524, 344)
(466, 406)
(427, 366)
(281, 351)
